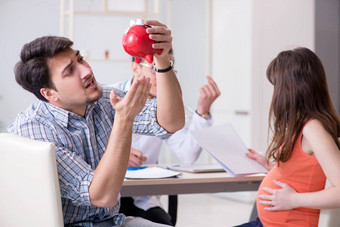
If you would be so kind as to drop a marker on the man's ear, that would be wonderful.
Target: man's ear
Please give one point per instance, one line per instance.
(49, 94)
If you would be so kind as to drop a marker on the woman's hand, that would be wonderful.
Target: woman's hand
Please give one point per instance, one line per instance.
(278, 199)
(260, 159)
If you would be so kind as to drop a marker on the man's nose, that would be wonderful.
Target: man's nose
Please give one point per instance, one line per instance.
(84, 71)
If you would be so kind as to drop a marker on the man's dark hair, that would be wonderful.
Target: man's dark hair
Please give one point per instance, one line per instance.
(32, 71)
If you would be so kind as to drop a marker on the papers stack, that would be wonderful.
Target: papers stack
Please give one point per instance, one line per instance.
(151, 173)
(198, 168)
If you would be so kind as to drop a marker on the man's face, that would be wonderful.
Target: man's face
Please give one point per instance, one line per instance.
(147, 70)
(74, 82)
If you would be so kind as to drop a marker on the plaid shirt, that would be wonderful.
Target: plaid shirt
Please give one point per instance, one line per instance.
(80, 144)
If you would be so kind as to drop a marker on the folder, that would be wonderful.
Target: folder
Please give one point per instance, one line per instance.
(226, 147)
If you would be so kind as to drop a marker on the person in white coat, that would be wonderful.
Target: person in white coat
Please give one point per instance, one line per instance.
(146, 149)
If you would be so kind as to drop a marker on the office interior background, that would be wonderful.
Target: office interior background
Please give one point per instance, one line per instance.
(231, 40)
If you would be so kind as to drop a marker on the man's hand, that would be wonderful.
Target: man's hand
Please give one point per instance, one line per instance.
(136, 158)
(208, 94)
(134, 101)
(161, 35)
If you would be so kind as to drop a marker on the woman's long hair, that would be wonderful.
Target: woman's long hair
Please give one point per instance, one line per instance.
(300, 93)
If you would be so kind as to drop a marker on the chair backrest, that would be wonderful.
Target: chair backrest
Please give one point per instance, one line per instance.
(29, 192)
(329, 217)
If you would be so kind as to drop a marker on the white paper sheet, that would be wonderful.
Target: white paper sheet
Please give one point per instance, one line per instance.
(151, 173)
(227, 148)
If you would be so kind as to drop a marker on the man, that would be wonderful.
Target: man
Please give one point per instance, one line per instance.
(146, 149)
(90, 126)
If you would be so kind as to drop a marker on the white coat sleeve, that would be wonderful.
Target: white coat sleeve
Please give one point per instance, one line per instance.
(183, 144)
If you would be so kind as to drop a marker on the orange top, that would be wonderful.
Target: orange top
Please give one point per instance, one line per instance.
(302, 172)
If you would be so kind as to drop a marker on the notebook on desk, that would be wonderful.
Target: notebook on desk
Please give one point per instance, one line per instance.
(226, 147)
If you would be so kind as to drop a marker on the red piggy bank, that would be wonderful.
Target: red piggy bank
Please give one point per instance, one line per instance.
(137, 43)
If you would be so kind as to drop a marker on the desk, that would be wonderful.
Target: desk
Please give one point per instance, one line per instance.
(191, 183)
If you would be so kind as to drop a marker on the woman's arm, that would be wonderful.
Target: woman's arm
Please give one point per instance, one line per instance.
(318, 141)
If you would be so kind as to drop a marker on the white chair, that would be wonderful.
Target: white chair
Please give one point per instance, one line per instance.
(329, 217)
(29, 192)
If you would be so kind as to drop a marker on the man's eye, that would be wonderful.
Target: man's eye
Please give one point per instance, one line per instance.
(81, 58)
(69, 72)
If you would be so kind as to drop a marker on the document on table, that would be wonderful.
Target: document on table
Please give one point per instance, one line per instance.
(151, 173)
(226, 147)
(198, 168)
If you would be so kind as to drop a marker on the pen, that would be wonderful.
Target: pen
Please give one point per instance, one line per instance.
(136, 168)
(169, 167)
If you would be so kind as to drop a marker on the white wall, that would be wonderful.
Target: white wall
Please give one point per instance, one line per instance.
(20, 22)
(231, 63)
(277, 26)
(190, 37)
